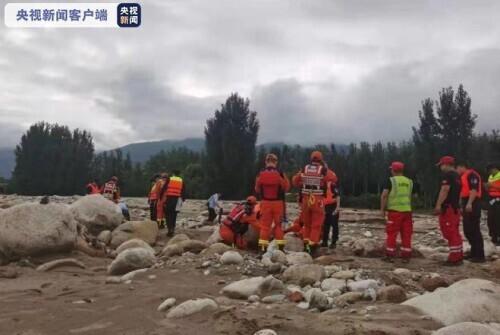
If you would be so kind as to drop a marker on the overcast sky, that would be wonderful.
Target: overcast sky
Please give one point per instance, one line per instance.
(315, 71)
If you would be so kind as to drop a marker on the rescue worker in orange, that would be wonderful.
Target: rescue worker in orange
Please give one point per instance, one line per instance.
(396, 199)
(111, 191)
(448, 209)
(174, 193)
(312, 181)
(297, 227)
(93, 187)
(161, 189)
(470, 196)
(271, 185)
(153, 197)
(239, 220)
(493, 187)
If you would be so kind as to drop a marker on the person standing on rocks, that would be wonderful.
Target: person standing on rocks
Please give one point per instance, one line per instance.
(332, 208)
(396, 200)
(448, 209)
(153, 197)
(271, 185)
(161, 189)
(312, 181)
(494, 209)
(213, 206)
(175, 191)
(470, 195)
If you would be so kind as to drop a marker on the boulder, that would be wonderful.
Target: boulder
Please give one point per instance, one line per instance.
(143, 230)
(266, 332)
(297, 258)
(295, 296)
(215, 237)
(319, 300)
(178, 238)
(330, 284)
(273, 299)
(278, 256)
(367, 247)
(131, 259)
(32, 229)
(166, 305)
(231, 257)
(191, 307)
(431, 283)
(181, 247)
(65, 262)
(392, 293)
(216, 249)
(469, 328)
(134, 243)
(245, 288)
(344, 275)
(304, 274)
(97, 213)
(362, 285)
(104, 237)
(347, 299)
(293, 243)
(474, 300)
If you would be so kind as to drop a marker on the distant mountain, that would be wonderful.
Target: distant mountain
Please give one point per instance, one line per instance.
(141, 152)
(7, 162)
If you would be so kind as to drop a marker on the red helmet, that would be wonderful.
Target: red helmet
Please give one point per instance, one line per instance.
(397, 166)
(446, 160)
(316, 156)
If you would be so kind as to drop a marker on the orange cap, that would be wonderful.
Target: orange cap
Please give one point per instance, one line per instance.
(317, 156)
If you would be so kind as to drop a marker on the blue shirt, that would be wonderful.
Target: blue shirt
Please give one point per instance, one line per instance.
(213, 201)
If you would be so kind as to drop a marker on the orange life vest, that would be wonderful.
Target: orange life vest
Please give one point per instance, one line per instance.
(330, 198)
(174, 188)
(270, 184)
(93, 188)
(465, 190)
(313, 179)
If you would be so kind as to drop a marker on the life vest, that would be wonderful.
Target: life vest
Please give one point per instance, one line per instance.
(313, 177)
(153, 194)
(465, 190)
(93, 188)
(400, 194)
(109, 190)
(330, 198)
(232, 220)
(494, 188)
(174, 188)
(270, 184)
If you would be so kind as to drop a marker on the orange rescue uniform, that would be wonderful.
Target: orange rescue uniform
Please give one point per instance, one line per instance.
(313, 180)
(271, 185)
(234, 227)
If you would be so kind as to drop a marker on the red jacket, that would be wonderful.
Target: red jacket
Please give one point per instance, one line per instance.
(271, 184)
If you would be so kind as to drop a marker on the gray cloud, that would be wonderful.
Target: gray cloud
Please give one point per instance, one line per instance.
(314, 70)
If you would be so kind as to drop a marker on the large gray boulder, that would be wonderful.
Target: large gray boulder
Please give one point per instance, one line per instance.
(130, 260)
(143, 230)
(367, 247)
(295, 258)
(293, 243)
(97, 213)
(469, 328)
(474, 300)
(32, 229)
(134, 243)
(304, 274)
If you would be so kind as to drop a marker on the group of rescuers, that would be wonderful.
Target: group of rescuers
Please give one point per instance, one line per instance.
(460, 196)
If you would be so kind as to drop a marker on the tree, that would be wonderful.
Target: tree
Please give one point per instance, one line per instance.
(230, 137)
(53, 160)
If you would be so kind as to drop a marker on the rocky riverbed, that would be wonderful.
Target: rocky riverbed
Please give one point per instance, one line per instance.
(140, 282)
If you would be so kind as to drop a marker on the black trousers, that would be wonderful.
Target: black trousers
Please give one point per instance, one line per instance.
(494, 221)
(171, 213)
(211, 214)
(152, 209)
(331, 223)
(472, 229)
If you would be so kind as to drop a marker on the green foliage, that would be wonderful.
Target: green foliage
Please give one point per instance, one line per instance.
(230, 138)
(52, 160)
